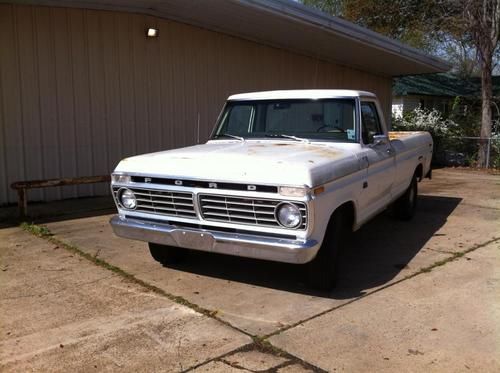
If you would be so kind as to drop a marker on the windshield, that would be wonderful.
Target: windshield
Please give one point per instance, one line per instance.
(328, 119)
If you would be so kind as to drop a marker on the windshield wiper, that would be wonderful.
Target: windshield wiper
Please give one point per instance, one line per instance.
(289, 137)
(232, 136)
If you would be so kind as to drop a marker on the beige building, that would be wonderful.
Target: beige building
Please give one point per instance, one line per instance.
(82, 86)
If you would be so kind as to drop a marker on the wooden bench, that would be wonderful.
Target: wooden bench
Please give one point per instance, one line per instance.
(23, 186)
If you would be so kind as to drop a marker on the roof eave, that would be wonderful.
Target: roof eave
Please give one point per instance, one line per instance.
(349, 30)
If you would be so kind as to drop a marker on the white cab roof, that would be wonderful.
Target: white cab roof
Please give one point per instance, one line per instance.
(300, 94)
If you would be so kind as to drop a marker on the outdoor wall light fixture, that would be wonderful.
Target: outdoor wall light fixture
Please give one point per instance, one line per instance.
(152, 32)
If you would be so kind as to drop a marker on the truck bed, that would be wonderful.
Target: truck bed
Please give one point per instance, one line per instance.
(398, 135)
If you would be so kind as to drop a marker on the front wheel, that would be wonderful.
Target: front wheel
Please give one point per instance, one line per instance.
(322, 270)
(405, 206)
(166, 254)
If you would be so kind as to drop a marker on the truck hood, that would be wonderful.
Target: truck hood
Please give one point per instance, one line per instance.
(253, 161)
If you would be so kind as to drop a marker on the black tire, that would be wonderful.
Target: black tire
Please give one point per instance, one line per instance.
(405, 206)
(322, 270)
(166, 254)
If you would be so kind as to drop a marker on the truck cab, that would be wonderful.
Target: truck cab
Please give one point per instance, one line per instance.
(284, 176)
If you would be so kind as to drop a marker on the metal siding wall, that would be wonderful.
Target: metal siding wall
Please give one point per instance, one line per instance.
(65, 99)
(82, 89)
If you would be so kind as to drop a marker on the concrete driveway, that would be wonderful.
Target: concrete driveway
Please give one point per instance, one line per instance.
(411, 296)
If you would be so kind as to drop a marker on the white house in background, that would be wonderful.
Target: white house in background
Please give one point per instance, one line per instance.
(435, 91)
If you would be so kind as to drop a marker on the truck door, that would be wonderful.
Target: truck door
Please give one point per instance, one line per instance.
(378, 152)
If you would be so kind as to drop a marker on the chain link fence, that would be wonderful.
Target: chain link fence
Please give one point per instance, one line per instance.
(464, 151)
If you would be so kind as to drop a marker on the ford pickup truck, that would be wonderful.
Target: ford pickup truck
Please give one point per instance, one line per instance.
(285, 176)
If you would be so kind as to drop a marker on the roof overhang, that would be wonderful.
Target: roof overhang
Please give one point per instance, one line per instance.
(283, 24)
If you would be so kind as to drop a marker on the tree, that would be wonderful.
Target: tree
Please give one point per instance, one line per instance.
(404, 20)
(461, 54)
(483, 20)
(333, 7)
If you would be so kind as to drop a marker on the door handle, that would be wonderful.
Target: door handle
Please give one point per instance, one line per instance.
(390, 151)
(363, 162)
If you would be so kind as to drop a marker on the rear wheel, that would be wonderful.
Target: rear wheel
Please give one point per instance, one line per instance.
(405, 206)
(166, 254)
(322, 270)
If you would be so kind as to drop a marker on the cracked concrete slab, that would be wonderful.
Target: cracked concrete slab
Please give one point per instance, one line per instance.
(262, 297)
(60, 312)
(254, 360)
(445, 320)
(218, 367)
(219, 283)
(294, 368)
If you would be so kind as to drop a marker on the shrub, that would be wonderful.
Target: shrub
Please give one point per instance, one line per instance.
(444, 132)
(495, 151)
(453, 144)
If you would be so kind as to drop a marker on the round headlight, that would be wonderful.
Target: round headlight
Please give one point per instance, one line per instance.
(288, 215)
(127, 199)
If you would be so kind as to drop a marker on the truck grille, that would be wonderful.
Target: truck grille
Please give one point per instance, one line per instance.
(240, 210)
(162, 202)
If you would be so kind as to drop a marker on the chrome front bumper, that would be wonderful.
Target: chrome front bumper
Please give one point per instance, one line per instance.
(250, 246)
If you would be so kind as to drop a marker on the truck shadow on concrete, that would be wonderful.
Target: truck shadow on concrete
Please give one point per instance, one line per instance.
(374, 256)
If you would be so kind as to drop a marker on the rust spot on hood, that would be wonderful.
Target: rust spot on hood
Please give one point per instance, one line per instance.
(326, 152)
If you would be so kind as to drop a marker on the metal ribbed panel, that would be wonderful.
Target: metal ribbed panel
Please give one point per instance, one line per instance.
(162, 202)
(244, 210)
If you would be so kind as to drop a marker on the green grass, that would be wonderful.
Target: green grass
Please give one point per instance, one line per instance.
(37, 230)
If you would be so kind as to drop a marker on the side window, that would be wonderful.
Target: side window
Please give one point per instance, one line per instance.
(370, 122)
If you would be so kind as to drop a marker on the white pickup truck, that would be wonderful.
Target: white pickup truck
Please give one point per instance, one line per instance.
(284, 177)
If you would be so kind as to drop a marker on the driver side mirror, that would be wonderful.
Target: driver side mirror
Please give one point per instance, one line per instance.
(380, 140)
